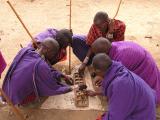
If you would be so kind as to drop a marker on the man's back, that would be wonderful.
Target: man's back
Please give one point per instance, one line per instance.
(20, 75)
(139, 61)
(30, 73)
(50, 32)
(130, 98)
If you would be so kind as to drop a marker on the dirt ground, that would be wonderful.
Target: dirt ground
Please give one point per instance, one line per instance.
(142, 18)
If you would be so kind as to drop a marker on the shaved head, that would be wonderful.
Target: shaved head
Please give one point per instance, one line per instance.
(101, 45)
(64, 37)
(101, 62)
(101, 20)
(100, 17)
(51, 44)
(49, 48)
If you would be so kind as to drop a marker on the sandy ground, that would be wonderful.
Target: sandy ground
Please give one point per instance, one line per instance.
(142, 18)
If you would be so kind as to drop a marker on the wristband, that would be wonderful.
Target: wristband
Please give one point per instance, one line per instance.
(110, 36)
(86, 60)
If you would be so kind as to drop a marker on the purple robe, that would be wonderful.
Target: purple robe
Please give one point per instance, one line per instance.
(48, 33)
(2, 64)
(79, 46)
(131, 55)
(51, 33)
(130, 98)
(29, 73)
(139, 61)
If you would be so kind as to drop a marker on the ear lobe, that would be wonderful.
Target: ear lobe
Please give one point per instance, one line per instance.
(44, 50)
(91, 48)
(97, 72)
(71, 32)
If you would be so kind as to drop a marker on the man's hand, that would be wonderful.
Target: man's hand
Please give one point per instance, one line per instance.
(69, 90)
(98, 81)
(82, 87)
(111, 26)
(81, 69)
(68, 79)
(91, 93)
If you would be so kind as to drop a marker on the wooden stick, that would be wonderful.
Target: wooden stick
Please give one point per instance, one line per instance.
(11, 6)
(70, 27)
(21, 45)
(15, 110)
(117, 9)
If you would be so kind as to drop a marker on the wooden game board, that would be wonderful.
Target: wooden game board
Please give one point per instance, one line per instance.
(81, 99)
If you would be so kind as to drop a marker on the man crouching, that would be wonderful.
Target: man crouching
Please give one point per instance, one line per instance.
(31, 76)
(130, 98)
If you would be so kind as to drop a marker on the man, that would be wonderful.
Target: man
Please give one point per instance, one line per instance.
(31, 76)
(2, 64)
(134, 57)
(63, 37)
(130, 98)
(103, 26)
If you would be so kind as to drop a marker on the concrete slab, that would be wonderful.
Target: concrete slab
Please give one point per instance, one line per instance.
(66, 101)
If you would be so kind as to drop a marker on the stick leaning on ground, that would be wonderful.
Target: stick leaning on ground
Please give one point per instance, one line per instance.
(15, 110)
(119, 5)
(70, 27)
(22, 23)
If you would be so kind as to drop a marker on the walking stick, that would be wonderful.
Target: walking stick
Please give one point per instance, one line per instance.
(70, 27)
(117, 9)
(22, 23)
(15, 110)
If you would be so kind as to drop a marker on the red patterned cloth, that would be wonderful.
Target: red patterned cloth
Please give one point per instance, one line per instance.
(99, 117)
(118, 34)
(62, 55)
(30, 98)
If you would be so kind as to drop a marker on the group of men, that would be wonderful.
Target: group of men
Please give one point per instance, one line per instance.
(126, 73)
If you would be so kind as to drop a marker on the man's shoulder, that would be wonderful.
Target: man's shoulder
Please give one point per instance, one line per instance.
(127, 44)
(51, 30)
(123, 81)
(42, 64)
(119, 23)
(24, 51)
(79, 37)
(28, 54)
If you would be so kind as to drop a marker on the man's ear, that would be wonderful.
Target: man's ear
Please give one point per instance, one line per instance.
(98, 21)
(92, 49)
(100, 73)
(71, 32)
(97, 71)
(44, 50)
